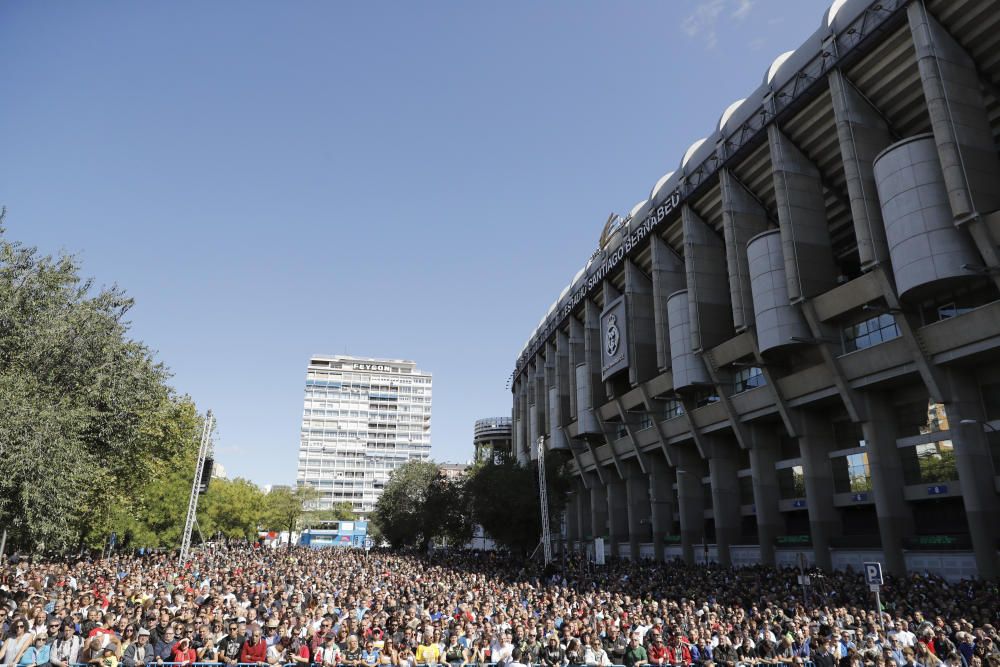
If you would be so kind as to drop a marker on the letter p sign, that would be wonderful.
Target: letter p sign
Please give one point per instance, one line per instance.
(873, 574)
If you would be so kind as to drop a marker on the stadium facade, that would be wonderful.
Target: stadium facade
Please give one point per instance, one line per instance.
(362, 418)
(791, 350)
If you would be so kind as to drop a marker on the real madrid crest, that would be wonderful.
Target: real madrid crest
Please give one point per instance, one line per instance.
(612, 336)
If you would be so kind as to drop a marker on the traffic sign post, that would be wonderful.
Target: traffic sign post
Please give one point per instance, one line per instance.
(873, 577)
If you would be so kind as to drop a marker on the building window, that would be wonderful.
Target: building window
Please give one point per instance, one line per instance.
(920, 418)
(870, 332)
(929, 463)
(645, 421)
(791, 483)
(748, 378)
(959, 302)
(851, 474)
(706, 397)
(674, 408)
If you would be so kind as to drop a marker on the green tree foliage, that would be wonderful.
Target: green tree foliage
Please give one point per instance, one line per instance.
(420, 505)
(504, 500)
(447, 518)
(82, 403)
(399, 512)
(283, 507)
(231, 507)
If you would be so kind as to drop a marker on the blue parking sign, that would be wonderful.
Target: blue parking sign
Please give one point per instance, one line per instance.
(873, 574)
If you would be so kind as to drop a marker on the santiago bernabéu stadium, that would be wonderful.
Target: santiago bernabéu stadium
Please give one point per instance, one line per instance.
(790, 352)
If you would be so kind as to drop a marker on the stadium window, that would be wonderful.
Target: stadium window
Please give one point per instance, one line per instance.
(929, 463)
(870, 332)
(748, 378)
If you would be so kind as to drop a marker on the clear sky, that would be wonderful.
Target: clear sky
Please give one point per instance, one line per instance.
(414, 180)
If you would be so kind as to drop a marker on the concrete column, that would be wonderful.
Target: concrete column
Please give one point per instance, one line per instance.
(669, 276)
(598, 507)
(805, 238)
(572, 516)
(576, 357)
(742, 218)
(523, 454)
(764, 454)
(661, 501)
(722, 468)
(690, 500)
(516, 421)
(637, 493)
(541, 401)
(641, 324)
(816, 443)
(583, 516)
(590, 389)
(707, 283)
(975, 469)
(863, 134)
(617, 498)
(556, 367)
(895, 517)
(958, 116)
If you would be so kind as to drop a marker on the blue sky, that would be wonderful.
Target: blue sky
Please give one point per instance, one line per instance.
(412, 180)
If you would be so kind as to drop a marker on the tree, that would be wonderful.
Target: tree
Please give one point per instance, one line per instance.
(81, 403)
(231, 507)
(446, 511)
(283, 507)
(420, 505)
(504, 500)
(399, 512)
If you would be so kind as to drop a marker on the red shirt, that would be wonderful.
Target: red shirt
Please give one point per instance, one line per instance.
(657, 653)
(254, 652)
(183, 655)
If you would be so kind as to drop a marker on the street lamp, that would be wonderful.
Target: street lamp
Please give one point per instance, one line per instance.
(972, 422)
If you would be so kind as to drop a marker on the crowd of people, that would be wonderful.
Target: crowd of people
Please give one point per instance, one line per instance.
(242, 604)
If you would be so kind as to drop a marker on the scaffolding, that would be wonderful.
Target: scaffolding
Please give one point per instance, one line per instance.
(192, 512)
(543, 501)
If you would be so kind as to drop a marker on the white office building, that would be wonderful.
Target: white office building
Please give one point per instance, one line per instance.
(361, 419)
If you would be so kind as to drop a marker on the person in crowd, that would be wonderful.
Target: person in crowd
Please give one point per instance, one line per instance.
(428, 651)
(596, 655)
(207, 653)
(164, 649)
(635, 654)
(254, 649)
(138, 653)
(66, 647)
(553, 654)
(656, 653)
(574, 652)
(454, 654)
(37, 654)
(231, 646)
(328, 653)
(18, 641)
(183, 654)
(277, 653)
(108, 659)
